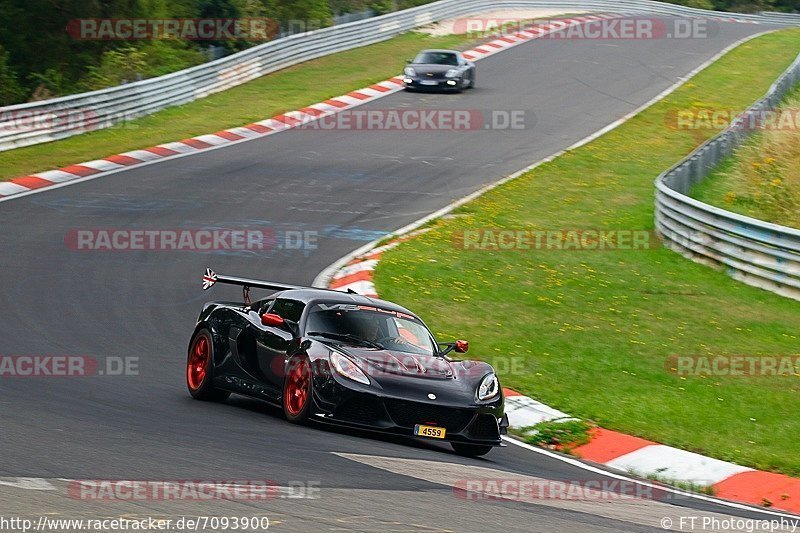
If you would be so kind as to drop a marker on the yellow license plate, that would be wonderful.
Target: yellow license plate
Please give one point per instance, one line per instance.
(432, 432)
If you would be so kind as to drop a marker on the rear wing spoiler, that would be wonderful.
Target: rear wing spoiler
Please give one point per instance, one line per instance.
(210, 278)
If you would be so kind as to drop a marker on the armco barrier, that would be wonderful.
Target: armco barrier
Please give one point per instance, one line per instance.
(101, 109)
(755, 252)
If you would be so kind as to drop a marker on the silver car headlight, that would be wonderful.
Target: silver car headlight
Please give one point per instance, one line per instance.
(489, 387)
(408, 71)
(452, 73)
(347, 368)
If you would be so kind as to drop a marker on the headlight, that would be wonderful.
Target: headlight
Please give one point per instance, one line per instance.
(408, 71)
(452, 73)
(347, 368)
(489, 387)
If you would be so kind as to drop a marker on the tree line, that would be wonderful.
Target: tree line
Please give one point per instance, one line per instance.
(39, 58)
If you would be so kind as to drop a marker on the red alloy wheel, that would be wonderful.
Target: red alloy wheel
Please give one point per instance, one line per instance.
(295, 394)
(199, 359)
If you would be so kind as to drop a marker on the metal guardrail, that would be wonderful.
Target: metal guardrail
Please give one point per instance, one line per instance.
(782, 16)
(79, 113)
(752, 251)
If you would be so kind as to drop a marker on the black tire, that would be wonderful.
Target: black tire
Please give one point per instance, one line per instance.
(200, 381)
(295, 413)
(472, 81)
(470, 450)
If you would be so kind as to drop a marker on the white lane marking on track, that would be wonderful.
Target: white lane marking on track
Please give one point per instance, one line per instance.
(27, 483)
(597, 501)
(44, 484)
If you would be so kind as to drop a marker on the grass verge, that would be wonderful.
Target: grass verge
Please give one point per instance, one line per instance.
(591, 333)
(762, 180)
(285, 90)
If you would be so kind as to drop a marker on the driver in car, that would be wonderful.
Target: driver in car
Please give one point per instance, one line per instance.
(371, 330)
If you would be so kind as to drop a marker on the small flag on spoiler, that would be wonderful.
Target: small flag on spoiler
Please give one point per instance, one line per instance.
(209, 279)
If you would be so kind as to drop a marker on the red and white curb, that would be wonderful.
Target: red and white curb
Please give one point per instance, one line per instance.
(650, 459)
(356, 275)
(279, 123)
(615, 450)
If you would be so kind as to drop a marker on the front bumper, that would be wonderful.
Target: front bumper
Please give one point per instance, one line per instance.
(431, 84)
(473, 424)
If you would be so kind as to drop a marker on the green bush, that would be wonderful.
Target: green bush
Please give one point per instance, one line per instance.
(117, 66)
(10, 89)
(131, 63)
(562, 434)
(163, 57)
(382, 6)
(700, 4)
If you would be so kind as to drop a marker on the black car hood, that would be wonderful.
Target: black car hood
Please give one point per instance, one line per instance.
(393, 363)
(425, 68)
(376, 362)
(418, 377)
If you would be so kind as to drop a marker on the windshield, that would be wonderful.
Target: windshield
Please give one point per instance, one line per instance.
(436, 58)
(388, 329)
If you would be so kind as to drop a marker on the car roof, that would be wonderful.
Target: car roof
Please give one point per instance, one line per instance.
(311, 295)
(440, 50)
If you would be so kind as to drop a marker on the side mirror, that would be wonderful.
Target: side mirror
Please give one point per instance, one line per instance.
(408, 61)
(272, 320)
(458, 347)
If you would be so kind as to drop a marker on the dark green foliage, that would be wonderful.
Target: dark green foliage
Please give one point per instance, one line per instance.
(39, 59)
(10, 90)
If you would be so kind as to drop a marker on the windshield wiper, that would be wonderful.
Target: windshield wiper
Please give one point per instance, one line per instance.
(346, 337)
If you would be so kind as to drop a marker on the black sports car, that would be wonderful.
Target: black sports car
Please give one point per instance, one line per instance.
(445, 70)
(345, 359)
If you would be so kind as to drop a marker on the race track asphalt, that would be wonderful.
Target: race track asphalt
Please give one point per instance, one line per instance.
(350, 187)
